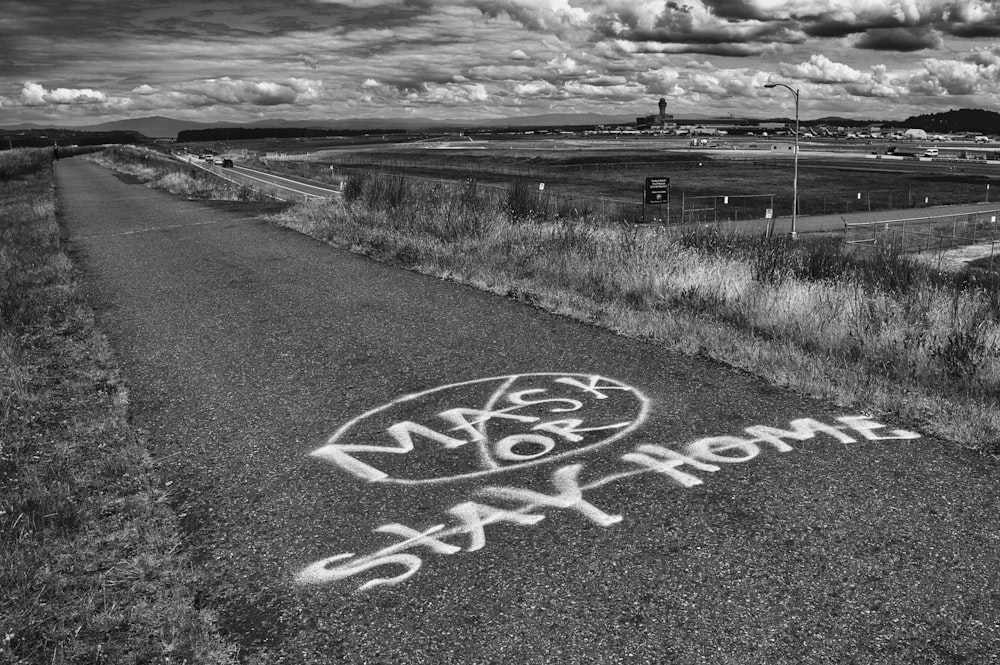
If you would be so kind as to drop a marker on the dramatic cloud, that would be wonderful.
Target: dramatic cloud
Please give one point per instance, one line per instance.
(547, 15)
(309, 59)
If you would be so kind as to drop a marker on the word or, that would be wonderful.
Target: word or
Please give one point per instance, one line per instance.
(523, 507)
(497, 424)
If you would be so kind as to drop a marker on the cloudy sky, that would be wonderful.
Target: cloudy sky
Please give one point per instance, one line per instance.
(72, 62)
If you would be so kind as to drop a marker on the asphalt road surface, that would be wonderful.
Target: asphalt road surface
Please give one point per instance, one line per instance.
(374, 466)
(285, 187)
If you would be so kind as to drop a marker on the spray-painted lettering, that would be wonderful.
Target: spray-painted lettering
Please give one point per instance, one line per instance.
(684, 466)
(501, 423)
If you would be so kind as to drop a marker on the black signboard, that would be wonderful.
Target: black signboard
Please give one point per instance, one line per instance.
(657, 190)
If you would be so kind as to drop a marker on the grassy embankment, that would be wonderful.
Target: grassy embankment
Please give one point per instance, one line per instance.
(90, 560)
(881, 333)
(176, 177)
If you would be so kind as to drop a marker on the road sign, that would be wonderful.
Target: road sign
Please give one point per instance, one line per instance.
(657, 190)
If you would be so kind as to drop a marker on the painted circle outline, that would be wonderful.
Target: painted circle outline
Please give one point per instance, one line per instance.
(635, 424)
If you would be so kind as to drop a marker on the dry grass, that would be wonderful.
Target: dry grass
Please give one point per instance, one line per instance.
(91, 564)
(163, 172)
(881, 333)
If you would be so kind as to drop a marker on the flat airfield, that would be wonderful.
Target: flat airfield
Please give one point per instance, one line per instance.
(735, 177)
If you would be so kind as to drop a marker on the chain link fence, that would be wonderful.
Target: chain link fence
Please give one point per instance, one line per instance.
(933, 234)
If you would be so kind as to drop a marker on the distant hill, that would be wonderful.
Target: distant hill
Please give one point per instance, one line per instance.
(162, 127)
(963, 120)
(41, 138)
(979, 121)
(153, 127)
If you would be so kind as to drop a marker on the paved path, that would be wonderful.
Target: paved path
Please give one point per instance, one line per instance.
(379, 467)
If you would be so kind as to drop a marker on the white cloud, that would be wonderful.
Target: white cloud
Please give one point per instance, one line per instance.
(254, 93)
(954, 78)
(984, 55)
(546, 15)
(564, 65)
(448, 94)
(34, 94)
(535, 89)
(621, 92)
(821, 69)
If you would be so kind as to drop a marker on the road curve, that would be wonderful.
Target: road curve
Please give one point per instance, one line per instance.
(373, 466)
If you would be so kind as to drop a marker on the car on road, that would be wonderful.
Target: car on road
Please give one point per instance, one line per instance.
(227, 163)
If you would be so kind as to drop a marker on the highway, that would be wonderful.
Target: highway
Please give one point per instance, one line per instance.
(285, 187)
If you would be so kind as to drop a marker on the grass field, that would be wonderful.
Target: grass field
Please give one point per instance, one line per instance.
(91, 564)
(705, 186)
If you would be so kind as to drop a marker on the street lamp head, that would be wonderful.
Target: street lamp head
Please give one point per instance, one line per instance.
(770, 85)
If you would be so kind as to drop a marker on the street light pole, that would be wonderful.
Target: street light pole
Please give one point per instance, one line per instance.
(795, 177)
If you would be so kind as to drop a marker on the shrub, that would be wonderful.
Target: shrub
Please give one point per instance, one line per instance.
(354, 186)
(386, 190)
(522, 201)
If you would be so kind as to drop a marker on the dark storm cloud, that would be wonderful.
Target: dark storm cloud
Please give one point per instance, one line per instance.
(905, 40)
(55, 18)
(736, 9)
(955, 18)
(963, 20)
(185, 28)
(974, 30)
(827, 26)
(187, 18)
(681, 34)
(686, 29)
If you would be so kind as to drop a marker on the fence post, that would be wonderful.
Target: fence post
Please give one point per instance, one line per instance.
(992, 249)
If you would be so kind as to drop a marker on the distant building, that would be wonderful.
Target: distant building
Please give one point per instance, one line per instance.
(658, 121)
(915, 134)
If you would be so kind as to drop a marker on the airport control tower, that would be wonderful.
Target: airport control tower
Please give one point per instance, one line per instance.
(661, 121)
